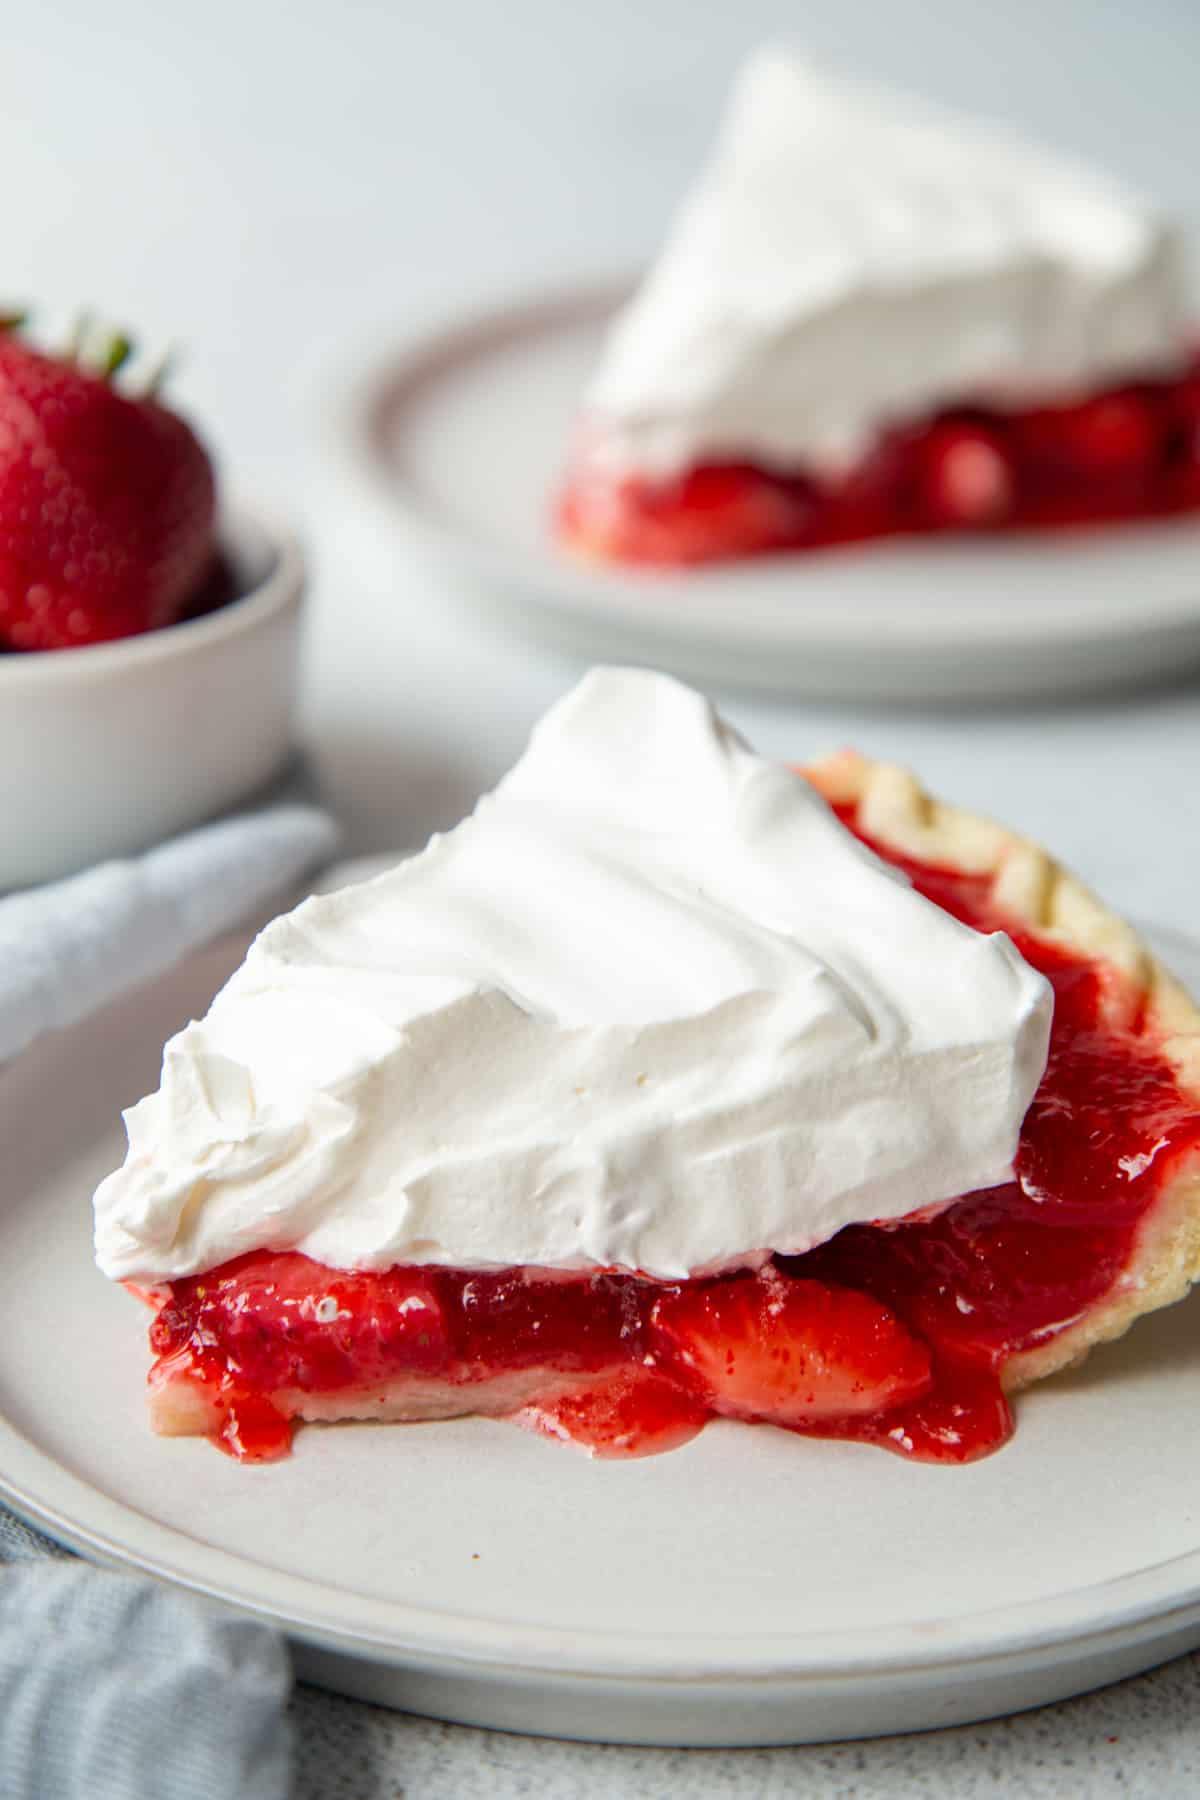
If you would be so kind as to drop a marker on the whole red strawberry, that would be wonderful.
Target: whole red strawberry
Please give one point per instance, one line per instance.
(107, 503)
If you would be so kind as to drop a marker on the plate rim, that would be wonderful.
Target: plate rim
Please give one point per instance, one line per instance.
(394, 1634)
(1143, 1602)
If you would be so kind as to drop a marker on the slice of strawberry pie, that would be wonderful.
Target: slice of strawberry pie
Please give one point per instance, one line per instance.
(663, 1088)
(871, 317)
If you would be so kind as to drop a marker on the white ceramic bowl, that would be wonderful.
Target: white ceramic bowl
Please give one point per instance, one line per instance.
(103, 751)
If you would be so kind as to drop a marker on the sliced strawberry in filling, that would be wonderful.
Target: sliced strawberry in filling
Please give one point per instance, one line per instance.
(799, 1353)
(902, 1335)
(1123, 453)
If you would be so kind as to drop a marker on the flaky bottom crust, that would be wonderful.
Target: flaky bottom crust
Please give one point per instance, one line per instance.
(180, 1406)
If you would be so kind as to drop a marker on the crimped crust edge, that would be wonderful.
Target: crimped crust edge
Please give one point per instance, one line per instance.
(1033, 889)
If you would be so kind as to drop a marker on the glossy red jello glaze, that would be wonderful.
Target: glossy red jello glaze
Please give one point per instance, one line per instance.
(893, 1335)
(1130, 452)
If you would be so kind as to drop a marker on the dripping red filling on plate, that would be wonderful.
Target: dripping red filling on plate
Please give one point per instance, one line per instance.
(1125, 453)
(896, 1335)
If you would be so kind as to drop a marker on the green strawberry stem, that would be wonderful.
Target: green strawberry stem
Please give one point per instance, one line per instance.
(115, 353)
(100, 354)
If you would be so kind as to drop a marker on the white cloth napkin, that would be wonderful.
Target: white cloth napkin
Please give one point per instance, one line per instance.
(113, 1687)
(68, 947)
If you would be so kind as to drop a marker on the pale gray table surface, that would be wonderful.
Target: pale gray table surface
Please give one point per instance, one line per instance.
(1138, 1739)
(285, 189)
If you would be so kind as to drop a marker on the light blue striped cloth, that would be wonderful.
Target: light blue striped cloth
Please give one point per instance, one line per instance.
(115, 1687)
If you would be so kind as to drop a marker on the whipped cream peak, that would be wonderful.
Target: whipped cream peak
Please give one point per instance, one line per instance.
(650, 1006)
(852, 258)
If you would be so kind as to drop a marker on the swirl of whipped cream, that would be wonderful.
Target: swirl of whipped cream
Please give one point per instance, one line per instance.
(651, 1007)
(852, 259)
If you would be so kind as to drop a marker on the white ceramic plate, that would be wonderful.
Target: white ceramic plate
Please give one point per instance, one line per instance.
(463, 436)
(753, 1587)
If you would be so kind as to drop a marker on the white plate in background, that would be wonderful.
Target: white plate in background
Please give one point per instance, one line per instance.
(463, 436)
(754, 1587)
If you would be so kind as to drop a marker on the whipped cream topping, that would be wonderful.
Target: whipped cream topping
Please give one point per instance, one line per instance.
(651, 1006)
(851, 258)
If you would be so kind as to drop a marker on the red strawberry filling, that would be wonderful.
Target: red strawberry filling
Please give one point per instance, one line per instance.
(1126, 453)
(893, 1335)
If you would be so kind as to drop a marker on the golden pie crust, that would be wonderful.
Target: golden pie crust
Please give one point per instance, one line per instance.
(1040, 896)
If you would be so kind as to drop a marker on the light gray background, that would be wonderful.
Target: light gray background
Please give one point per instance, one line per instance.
(287, 189)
